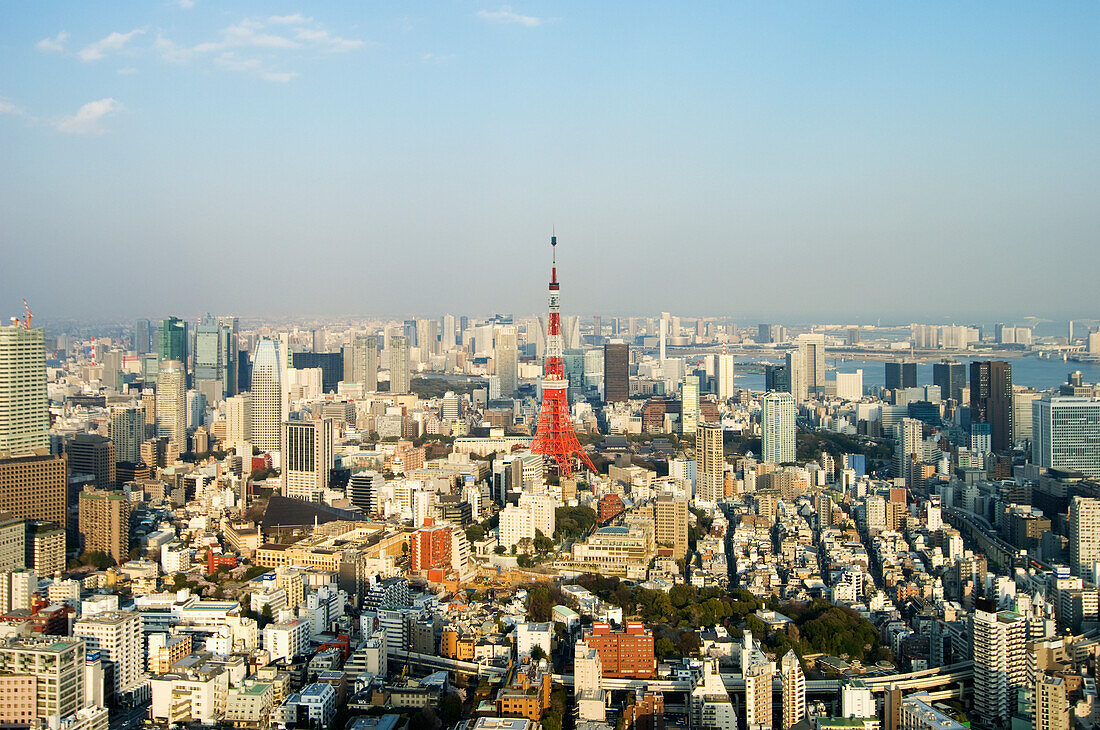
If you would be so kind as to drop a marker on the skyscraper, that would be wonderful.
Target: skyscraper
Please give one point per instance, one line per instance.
(794, 690)
(795, 369)
(1065, 433)
(616, 372)
(307, 458)
(171, 412)
(142, 337)
(724, 376)
(1000, 661)
(427, 338)
(172, 341)
(689, 404)
(812, 349)
(238, 419)
(448, 339)
(777, 378)
(909, 433)
(506, 360)
(710, 455)
(127, 430)
(94, 455)
(1084, 535)
(399, 365)
(267, 397)
(364, 363)
(951, 377)
(901, 375)
(991, 400)
(24, 414)
(208, 362)
(778, 426)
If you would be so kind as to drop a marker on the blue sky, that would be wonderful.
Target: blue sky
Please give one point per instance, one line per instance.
(767, 160)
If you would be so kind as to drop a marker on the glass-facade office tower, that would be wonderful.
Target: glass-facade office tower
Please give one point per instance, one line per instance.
(951, 377)
(778, 425)
(616, 372)
(991, 400)
(24, 412)
(1065, 434)
(266, 397)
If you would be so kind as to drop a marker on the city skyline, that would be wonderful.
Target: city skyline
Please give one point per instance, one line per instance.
(221, 154)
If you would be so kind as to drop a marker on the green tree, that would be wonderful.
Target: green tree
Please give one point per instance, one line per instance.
(663, 648)
(450, 709)
(537, 653)
(474, 533)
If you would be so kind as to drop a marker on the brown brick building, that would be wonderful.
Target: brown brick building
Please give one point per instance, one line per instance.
(624, 654)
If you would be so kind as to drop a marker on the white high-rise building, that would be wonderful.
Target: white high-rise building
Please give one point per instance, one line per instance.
(506, 360)
(909, 433)
(118, 636)
(238, 419)
(24, 413)
(399, 364)
(758, 695)
(812, 349)
(849, 386)
(127, 432)
(856, 700)
(796, 373)
(1000, 662)
(267, 397)
(1066, 433)
(689, 408)
(724, 376)
(171, 400)
(1084, 535)
(794, 690)
(778, 425)
(514, 525)
(588, 693)
(543, 511)
(448, 340)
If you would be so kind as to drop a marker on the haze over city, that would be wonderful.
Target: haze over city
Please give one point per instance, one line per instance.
(802, 160)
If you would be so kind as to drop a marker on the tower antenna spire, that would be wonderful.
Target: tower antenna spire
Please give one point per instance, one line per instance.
(555, 436)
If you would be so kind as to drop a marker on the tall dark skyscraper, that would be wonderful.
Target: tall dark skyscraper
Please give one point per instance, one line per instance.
(777, 379)
(951, 377)
(991, 400)
(143, 336)
(901, 375)
(616, 372)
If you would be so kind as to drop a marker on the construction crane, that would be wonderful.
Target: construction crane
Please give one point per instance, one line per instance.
(27, 317)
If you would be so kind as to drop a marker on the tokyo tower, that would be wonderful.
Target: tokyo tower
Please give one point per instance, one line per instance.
(555, 436)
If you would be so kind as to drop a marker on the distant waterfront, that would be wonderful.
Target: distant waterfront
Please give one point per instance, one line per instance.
(1029, 371)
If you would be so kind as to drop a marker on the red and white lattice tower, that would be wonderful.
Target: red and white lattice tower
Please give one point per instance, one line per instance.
(555, 436)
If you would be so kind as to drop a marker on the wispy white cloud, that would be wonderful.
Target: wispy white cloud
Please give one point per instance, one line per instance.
(53, 45)
(114, 43)
(127, 71)
(507, 15)
(257, 46)
(186, 4)
(87, 118)
(325, 41)
(10, 108)
(437, 59)
(295, 19)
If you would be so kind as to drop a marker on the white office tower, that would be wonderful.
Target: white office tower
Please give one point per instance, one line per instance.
(588, 693)
(267, 397)
(448, 338)
(1084, 535)
(1061, 428)
(796, 374)
(909, 435)
(684, 469)
(778, 423)
(711, 463)
(1000, 662)
(196, 409)
(515, 524)
(724, 376)
(118, 636)
(812, 349)
(307, 459)
(238, 419)
(506, 360)
(933, 515)
(689, 405)
(849, 386)
(171, 404)
(543, 511)
(364, 363)
(24, 414)
(399, 364)
(794, 690)
(710, 702)
(127, 432)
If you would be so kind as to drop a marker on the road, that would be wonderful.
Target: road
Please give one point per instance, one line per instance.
(128, 718)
